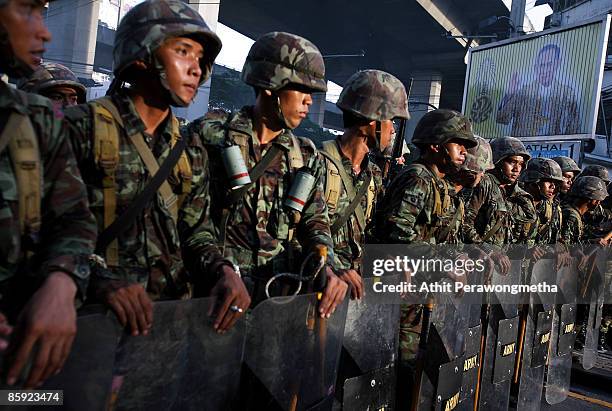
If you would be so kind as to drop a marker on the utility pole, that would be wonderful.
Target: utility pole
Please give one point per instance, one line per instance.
(517, 16)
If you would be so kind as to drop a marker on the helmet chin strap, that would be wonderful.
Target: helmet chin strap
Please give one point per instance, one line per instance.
(502, 176)
(175, 100)
(451, 167)
(279, 112)
(376, 150)
(9, 63)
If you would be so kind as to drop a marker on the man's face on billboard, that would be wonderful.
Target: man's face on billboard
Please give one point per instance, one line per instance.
(547, 65)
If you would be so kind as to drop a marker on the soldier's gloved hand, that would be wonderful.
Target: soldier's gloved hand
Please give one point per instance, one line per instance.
(353, 278)
(132, 305)
(334, 294)
(5, 331)
(502, 261)
(45, 329)
(231, 299)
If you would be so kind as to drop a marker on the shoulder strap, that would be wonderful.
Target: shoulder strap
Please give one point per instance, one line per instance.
(371, 197)
(330, 151)
(493, 230)
(296, 159)
(353, 207)
(23, 148)
(332, 178)
(124, 221)
(458, 216)
(168, 197)
(5, 136)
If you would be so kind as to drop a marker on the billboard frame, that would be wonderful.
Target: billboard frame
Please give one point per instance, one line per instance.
(603, 42)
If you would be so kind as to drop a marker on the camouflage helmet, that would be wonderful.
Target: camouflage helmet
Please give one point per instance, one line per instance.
(596, 171)
(442, 125)
(508, 146)
(479, 158)
(567, 164)
(374, 95)
(277, 59)
(590, 187)
(542, 168)
(149, 24)
(49, 75)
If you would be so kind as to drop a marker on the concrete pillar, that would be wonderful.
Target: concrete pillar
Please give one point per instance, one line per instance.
(426, 88)
(74, 27)
(210, 12)
(316, 112)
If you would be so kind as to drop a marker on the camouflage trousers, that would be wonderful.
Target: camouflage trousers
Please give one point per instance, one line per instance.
(409, 331)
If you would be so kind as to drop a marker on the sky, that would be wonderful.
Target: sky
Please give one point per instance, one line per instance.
(236, 46)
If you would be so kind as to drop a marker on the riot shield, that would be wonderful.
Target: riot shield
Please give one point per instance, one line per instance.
(500, 331)
(534, 337)
(563, 336)
(366, 377)
(88, 371)
(471, 356)
(440, 358)
(292, 355)
(183, 364)
(593, 292)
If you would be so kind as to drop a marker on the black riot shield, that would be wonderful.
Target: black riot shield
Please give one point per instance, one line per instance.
(563, 336)
(183, 364)
(534, 337)
(292, 355)
(471, 357)
(440, 360)
(500, 330)
(593, 291)
(366, 377)
(88, 371)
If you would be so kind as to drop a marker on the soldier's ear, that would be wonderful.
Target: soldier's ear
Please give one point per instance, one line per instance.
(139, 64)
(267, 93)
(435, 148)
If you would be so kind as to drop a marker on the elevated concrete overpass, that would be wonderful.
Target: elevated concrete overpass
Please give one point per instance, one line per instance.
(405, 37)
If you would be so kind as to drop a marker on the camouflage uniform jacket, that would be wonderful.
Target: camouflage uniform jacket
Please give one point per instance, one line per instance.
(68, 231)
(349, 240)
(149, 250)
(258, 226)
(572, 227)
(489, 206)
(545, 230)
(598, 222)
(408, 211)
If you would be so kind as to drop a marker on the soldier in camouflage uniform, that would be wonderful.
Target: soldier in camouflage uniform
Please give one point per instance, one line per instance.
(255, 231)
(419, 208)
(165, 50)
(370, 100)
(57, 83)
(478, 160)
(47, 232)
(570, 170)
(498, 203)
(541, 179)
(598, 222)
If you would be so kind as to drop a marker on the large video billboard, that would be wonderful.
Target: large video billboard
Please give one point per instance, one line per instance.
(543, 84)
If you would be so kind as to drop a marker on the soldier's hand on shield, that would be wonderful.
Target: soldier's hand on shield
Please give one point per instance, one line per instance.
(132, 306)
(502, 262)
(536, 253)
(231, 299)
(45, 330)
(5, 331)
(563, 259)
(353, 278)
(334, 294)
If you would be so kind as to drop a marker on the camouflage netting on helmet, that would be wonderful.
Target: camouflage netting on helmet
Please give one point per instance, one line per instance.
(567, 164)
(441, 126)
(479, 158)
(279, 59)
(149, 24)
(589, 187)
(506, 147)
(49, 75)
(542, 168)
(374, 95)
(596, 171)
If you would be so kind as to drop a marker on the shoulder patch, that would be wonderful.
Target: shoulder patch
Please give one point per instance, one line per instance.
(307, 143)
